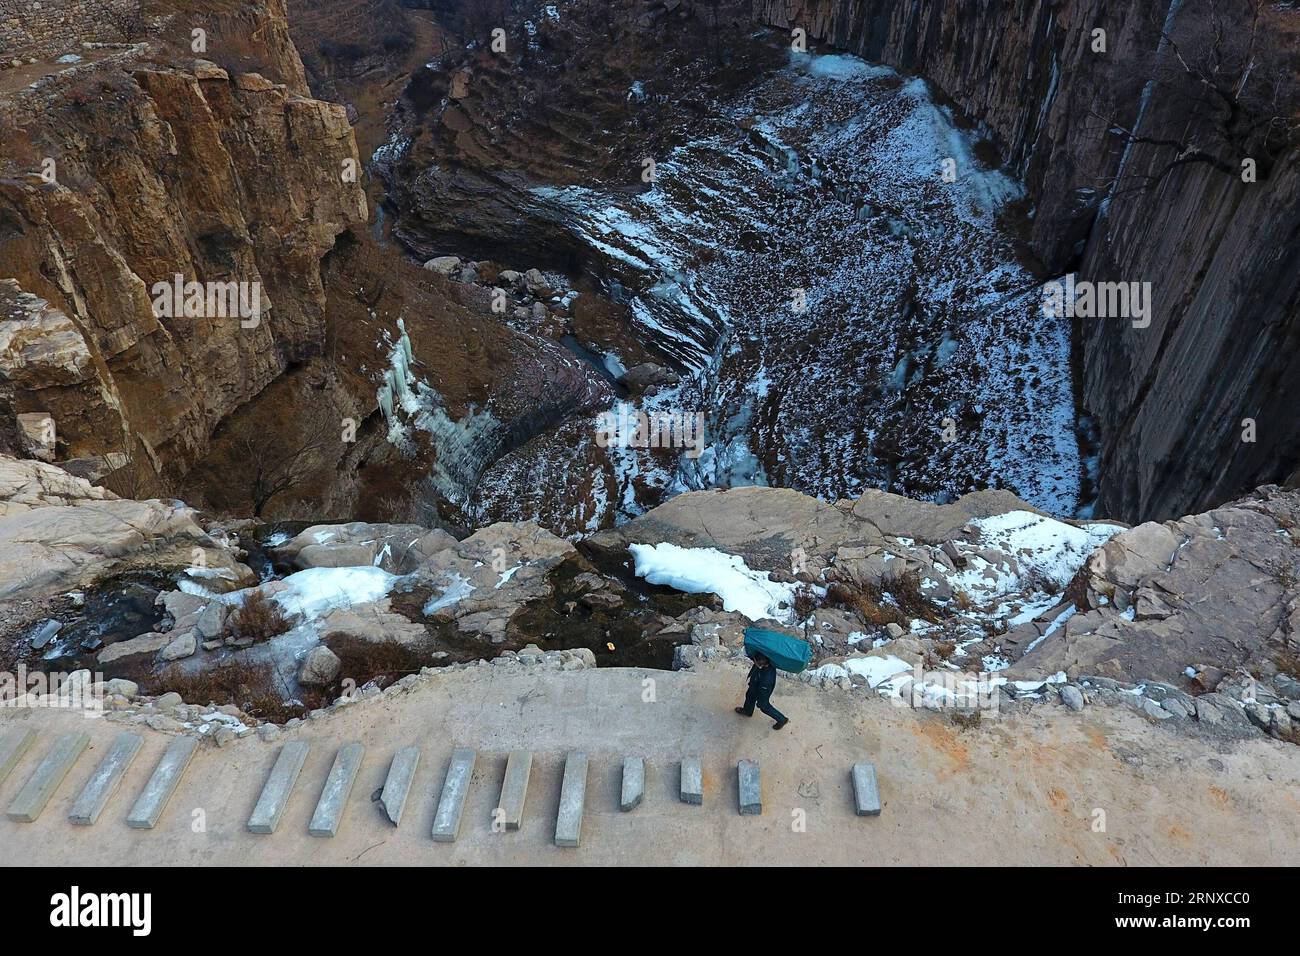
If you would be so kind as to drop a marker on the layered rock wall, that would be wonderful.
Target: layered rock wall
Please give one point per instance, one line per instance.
(157, 171)
(1221, 253)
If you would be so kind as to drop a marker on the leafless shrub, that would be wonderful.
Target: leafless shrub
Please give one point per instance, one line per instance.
(866, 603)
(253, 688)
(1226, 65)
(258, 619)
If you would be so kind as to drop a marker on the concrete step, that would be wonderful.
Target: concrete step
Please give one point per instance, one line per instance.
(633, 784)
(750, 788)
(397, 785)
(338, 787)
(451, 805)
(279, 786)
(866, 795)
(151, 803)
(107, 778)
(514, 789)
(573, 799)
(49, 773)
(12, 747)
(692, 785)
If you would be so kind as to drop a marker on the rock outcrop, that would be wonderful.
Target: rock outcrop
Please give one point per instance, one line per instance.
(1195, 598)
(159, 172)
(1194, 619)
(59, 533)
(145, 162)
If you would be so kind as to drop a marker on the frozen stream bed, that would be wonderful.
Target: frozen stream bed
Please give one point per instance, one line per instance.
(838, 272)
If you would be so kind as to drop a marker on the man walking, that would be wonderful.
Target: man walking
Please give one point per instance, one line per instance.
(762, 681)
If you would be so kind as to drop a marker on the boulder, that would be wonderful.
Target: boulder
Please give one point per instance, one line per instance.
(372, 622)
(122, 687)
(60, 533)
(137, 650)
(181, 647)
(168, 702)
(535, 281)
(181, 605)
(319, 668)
(1218, 709)
(396, 548)
(1154, 710)
(211, 622)
(584, 654)
(643, 376)
(444, 265)
(1195, 591)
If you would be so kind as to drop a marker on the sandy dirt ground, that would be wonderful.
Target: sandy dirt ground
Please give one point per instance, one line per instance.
(1105, 787)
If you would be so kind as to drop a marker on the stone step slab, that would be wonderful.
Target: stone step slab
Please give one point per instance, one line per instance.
(750, 788)
(573, 799)
(866, 794)
(12, 748)
(107, 778)
(692, 783)
(514, 789)
(633, 784)
(451, 805)
(153, 799)
(397, 785)
(338, 787)
(279, 787)
(47, 776)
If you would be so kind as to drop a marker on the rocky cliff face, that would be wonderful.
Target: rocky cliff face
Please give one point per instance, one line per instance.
(1220, 252)
(155, 171)
(142, 162)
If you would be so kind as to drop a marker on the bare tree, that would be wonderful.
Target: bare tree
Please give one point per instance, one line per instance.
(1225, 67)
(275, 461)
(481, 17)
(137, 479)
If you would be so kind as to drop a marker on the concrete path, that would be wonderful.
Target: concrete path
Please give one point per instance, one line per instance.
(1025, 789)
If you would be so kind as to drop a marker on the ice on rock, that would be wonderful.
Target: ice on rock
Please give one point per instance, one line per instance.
(708, 570)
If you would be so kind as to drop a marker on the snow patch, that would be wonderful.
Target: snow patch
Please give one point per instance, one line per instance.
(708, 570)
(316, 591)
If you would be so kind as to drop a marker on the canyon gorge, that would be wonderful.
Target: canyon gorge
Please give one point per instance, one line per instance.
(794, 269)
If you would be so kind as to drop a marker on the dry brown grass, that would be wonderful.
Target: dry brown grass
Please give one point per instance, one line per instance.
(253, 688)
(805, 602)
(382, 662)
(1287, 660)
(866, 603)
(905, 589)
(258, 619)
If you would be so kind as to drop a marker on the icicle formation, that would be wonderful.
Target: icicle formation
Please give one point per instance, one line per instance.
(395, 391)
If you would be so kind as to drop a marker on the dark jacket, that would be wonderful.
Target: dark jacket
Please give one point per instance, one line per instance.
(762, 678)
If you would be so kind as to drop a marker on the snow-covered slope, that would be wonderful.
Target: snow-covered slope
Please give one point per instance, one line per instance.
(850, 317)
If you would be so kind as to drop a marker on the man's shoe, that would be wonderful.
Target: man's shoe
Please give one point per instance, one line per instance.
(779, 724)
(742, 710)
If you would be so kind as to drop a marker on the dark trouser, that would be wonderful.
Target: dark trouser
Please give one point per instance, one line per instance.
(764, 700)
